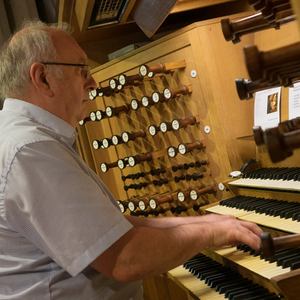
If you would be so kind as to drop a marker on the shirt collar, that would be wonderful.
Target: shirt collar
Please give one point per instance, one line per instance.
(41, 116)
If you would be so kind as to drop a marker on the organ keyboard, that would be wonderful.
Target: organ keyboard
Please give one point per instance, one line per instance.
(212, 280)
(238, 272)
(277, 214)
(271, 178)
(266, 270)
(278, 211)
(280, 273)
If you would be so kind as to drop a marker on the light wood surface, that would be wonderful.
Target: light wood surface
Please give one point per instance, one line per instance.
(296, 8)
(183, 5)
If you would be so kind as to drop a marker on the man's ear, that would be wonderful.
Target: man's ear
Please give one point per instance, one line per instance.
(38, 76)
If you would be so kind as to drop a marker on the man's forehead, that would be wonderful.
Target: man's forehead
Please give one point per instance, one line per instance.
(67, 47)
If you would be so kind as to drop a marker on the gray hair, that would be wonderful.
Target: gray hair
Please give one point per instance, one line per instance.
(34, 44)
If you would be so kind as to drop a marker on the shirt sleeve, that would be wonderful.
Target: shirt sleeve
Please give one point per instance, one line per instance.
(61, 208)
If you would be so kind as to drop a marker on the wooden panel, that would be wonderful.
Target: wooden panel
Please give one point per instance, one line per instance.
(286, 281)
(65, 11)
(156, 288)
(83, 12)
(127, 12)
(183, 5)
(296, 8)
(227, 126)
(272, 38)
(131, 61)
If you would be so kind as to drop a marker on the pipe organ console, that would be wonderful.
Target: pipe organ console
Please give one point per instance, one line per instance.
(267, 195)
(181, 153)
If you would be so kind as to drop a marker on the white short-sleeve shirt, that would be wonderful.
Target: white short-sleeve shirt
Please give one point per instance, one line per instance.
(56, 216)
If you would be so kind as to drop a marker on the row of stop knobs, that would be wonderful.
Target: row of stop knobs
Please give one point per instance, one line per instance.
(123, 80)
(135, 104)
(173, 209)
(154, 202)
(159, 171)
(163, 181)
(125, 137)
(162, 171)
(131, 161)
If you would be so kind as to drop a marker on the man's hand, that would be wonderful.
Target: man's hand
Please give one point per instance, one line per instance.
(227, 230)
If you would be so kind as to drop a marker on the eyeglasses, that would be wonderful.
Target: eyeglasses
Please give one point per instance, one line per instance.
(85, 69)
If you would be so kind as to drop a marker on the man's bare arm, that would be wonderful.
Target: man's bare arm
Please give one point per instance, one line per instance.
(147, 251)
(166, 222)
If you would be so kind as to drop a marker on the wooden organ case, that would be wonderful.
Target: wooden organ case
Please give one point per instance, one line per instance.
(187, 79)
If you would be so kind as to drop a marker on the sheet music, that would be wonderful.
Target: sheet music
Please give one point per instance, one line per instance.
(267, 108)
(294, 101)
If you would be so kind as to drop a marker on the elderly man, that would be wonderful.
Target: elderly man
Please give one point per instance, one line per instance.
(61, 234)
